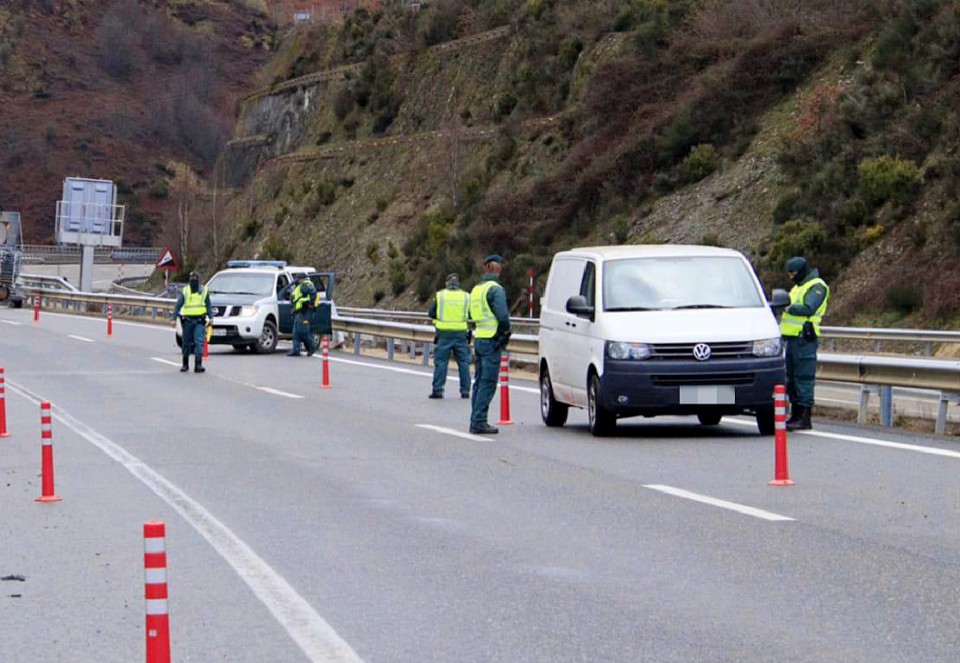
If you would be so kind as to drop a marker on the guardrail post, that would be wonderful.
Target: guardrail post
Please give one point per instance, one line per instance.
(390, 345)
(886, 405)
(413, 349)
(865, 392)
(427, 348)
(941, 426)
(356, 343)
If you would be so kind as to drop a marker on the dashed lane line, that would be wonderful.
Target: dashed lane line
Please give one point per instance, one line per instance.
(723, 504)
(81, 338)
(10, 322)
(305, 626)
(277, 392)
(451, 431)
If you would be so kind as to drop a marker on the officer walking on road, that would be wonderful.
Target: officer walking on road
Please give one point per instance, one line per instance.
(488, 311)
(800, 328)
(450, 311)
(193, 307)
(303, 299)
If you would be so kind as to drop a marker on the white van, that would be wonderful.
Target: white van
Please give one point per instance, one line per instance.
(660, 329)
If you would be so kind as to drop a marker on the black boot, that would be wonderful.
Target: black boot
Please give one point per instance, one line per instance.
(803, 420)
(186, 364)
(198, 366)
(795, 412)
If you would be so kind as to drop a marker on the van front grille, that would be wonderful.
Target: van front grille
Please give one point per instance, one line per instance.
(674, 351)
(689, 380)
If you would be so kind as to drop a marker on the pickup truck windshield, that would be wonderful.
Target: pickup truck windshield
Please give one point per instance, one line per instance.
(227, 283)
(639, 284)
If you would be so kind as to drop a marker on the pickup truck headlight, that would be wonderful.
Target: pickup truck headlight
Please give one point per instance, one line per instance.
(249, 311)
(768, 347)
(621, 350)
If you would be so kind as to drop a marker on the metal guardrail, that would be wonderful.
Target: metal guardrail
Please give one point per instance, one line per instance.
(67, 255)
(869, 371)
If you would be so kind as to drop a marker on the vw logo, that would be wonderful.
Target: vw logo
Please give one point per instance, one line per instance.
(701, 352)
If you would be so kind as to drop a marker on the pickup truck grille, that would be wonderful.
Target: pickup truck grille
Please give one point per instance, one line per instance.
(674, 351)
(222, 311)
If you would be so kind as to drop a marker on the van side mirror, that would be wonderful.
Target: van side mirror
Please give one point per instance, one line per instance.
(578, 306)
(780, 300)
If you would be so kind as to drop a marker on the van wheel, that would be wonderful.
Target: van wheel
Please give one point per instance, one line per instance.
(602, 421)
(267, 342)
(709, 419)
(765, 420)
(552, 412)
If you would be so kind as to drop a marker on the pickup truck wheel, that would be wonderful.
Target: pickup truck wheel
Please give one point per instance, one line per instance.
(602, 421)
(267, 342)
(18, 303)
(552, 412)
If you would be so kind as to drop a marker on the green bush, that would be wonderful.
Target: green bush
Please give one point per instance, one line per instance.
(887, 178)
(373, 252)
(276, 248)
(398, 277)
(700, 162)
(795, 238)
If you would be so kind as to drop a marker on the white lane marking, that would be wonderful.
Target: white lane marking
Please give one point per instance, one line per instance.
(165, 361)
(308, 629)
(933, 451)
(80, 338)
(10, 322)
(409, 371)
(713, 501)
(450, 431)
(277, 392)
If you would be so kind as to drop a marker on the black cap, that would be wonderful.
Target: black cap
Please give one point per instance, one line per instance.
(193, 273)
(452, 276)
(796, 264)
(493, 257)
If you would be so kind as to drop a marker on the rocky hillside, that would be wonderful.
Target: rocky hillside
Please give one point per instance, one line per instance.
(138, 92)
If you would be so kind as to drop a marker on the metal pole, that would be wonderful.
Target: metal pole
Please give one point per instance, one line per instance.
(886, 405)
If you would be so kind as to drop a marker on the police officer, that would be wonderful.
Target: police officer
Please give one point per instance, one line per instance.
(800, 328)
(450, 311)
(488, 311)
(303, 299)
(193, 307)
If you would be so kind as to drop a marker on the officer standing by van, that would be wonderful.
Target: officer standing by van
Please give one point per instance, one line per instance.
(193, 307)
(800, 328)
(489, 312)
(303, 299)
(449, 312)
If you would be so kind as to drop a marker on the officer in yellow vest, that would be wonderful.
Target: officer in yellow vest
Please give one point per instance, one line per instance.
(450, 311)
(800, 328)
(193, 307)
(302, 300)
(490, 315)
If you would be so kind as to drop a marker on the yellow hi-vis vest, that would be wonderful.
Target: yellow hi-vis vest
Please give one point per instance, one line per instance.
(452, 310)
(792, 325)
(480, 311)
(194, 303)
(298, 299)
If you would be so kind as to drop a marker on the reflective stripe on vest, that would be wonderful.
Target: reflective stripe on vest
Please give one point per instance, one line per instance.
(194, 303)
(480, 311)
(452, 310)
(792, 325)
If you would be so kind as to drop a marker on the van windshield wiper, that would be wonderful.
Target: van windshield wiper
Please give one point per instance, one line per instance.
(675, 308)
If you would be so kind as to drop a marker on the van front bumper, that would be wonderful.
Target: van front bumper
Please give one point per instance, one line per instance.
(630, 388)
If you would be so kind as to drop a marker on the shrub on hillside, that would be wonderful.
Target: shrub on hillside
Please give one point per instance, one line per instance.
(887, 178)
(118, 47)
(700, 162)
(903, 298)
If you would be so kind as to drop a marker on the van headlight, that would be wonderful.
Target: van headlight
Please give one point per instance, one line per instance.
(249, 310)
(768, 347)
(621, 350)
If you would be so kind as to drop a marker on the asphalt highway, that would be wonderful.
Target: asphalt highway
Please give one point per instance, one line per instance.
(363, 522)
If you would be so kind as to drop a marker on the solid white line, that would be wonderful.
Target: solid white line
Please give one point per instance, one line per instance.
(81, 338)
(450, 431)
(10, 322)
(723, 504)
(165, 361)
(308, 629)
(933, 451)
(277, 392)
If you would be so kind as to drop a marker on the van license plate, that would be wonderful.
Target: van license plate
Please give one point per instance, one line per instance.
(708, 395)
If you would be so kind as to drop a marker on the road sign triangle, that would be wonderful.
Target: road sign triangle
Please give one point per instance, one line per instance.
(167, 261)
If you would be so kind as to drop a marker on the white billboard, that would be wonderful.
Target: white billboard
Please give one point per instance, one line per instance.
(88, 214)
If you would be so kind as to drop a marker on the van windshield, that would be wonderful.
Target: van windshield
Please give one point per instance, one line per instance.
(249, 283)
(657, 284)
